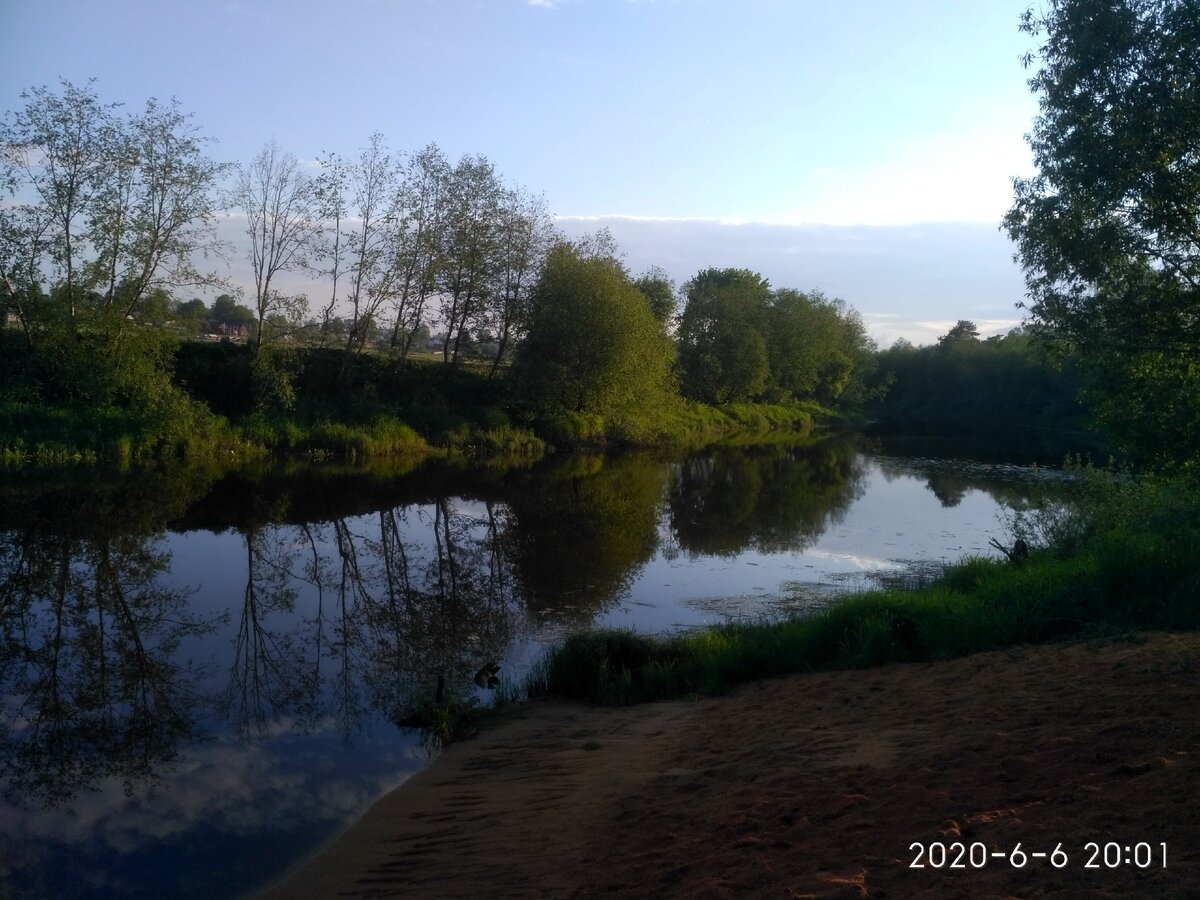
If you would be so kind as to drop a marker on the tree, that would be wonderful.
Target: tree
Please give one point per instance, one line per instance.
(226, 310)
(722, 352)
(194, 309)
(659, 291)
(280, 206)
(155, 210)
(593, 346)
(526, 232)
(109, 208)
(56, 153)
(418, 238)
(1108, 231)
(374, 180)
(963, 330)
(470, 239)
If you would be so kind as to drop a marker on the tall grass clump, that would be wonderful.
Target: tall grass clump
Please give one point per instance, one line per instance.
(1122, 556)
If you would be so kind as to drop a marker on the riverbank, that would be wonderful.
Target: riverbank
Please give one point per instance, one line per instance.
(814, 785)
(203, 401)
(31, 434)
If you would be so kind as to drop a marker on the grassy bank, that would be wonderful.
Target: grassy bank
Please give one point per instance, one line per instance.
(36, 434)
(219, 402)
(1123, 558)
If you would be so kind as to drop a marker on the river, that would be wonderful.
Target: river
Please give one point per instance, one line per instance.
(202, 672)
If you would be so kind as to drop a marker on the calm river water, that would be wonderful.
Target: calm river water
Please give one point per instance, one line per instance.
(201, 675)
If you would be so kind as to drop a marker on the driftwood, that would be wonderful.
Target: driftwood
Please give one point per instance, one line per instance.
(1017, 554)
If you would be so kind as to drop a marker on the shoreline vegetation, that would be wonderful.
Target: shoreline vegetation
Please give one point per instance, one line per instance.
(1116, 560)
(436, 412)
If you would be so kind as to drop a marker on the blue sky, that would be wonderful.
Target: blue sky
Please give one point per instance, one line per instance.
(806, 140)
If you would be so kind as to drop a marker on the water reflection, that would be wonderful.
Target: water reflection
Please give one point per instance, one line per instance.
(770, 498)
(91, 682)
(581, 529)
(247, 643)
(400, 607)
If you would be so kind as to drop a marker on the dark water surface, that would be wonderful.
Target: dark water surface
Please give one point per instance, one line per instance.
(201, 675)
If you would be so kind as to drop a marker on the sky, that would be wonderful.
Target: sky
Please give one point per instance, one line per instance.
(863, 148)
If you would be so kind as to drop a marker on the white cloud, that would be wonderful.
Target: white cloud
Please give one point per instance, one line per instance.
(958, 177)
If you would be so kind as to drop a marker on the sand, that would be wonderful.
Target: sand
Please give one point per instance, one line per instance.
(813, 786)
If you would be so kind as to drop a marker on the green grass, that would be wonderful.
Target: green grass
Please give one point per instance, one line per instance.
(1128, 564)
(33, 434)
(688, 424)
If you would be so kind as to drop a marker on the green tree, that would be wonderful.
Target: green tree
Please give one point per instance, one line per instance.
(722, 352)
(1107, 230)
(469, 254)
(659, 290)
(111, 207)
(190, 315)
(812, 353)
(963, 330)
(418, 241)
(228, 311)
(593, 346)
(526, 234)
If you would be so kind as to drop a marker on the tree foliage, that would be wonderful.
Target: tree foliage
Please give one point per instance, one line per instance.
(660, 292)
(1108, 231)
(112, 210)
(962, 330)
(107, 207)
(722, 352)
(740, 340)
(594, 347)
(1007, 388)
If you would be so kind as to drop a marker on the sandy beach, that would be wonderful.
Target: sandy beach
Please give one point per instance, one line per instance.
(816, 786)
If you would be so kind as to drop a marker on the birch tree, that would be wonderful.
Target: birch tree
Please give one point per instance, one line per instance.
(279, 202)
(374, 180)
(525, 235)
(470, 241)
(109, 208)
(418, 239)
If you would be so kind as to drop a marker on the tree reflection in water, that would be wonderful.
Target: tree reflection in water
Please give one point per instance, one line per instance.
(88, 666)
(328, 604)
(771, 498)
(402, 606)
(580, 530)
(361, 595)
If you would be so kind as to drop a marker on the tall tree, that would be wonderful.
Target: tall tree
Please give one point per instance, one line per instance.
(110, 208)
(469, 249)
(659, 291)
(1108, 231)
(418, 239)
(375, 183)
(155, 210)
(962, 330)
(330, 188)
(525, 234)
(57, 152)
(282, 223)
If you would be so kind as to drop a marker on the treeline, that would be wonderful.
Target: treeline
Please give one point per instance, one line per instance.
(110, 215)
(1008, 388)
